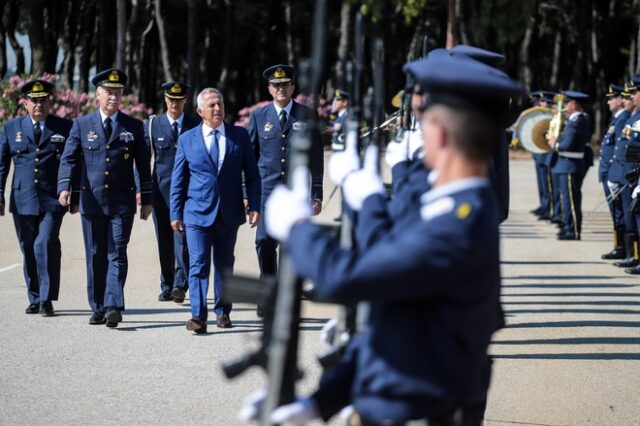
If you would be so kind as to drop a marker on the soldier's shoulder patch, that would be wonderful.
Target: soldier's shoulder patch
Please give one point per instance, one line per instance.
(437, 208)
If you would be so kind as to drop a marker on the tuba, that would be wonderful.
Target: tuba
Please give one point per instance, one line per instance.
(531, 129)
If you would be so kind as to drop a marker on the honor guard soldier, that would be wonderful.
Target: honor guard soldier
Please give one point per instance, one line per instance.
(570, 166)
(339, 107)
(162, 133)
(270, 129)
(423, 358)
(104, 146)
(614, 130)
(35, 142)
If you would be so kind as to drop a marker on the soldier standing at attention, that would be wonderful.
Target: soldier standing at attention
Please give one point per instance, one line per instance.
(103, 147)
(35, 143)
(270, 129)
(162, 134)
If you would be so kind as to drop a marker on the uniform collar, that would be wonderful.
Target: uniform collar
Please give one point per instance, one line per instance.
(287, 108)
(104, 116)
(207, 130)
(575, 115)
(180, 119)
(33, 122)
(617, 114)
(451, 188)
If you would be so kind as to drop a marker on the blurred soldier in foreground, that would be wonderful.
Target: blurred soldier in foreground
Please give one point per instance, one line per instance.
(614, 130)
(162, 134)
(270, 129)
(207, 202)
(103, 147)
(35, 143)
(424, 355)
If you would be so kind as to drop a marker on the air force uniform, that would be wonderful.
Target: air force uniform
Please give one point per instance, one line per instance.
(162, 137)
(271, 142)
(107, 193)
(34, 203)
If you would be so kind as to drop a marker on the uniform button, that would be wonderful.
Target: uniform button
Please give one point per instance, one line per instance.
(283, 136)
(282, 160)
(283, 173)
(90, 148)
(131, 188)
(35, 170)
(106, 186)
(84, 187)
(106, 173)
(35, 181)
(282, 148)
(37, 159)
(108, 160)
(37, 149)
(108, 146)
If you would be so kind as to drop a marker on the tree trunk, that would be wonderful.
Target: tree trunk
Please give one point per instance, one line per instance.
(35, 28)
(452, 27)
(192, 51)
(121, 11)
(12, 20)
(287, 21)
(462, 28)
(343, 43)
(555, 66)
(3, 42)
(88, 27)
(147, 84)
(525, 66)
(164, 48)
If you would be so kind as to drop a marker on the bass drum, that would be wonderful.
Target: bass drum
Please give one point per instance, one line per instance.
(531, 129)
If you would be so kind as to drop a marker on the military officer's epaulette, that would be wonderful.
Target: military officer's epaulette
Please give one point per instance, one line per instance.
(437, 208)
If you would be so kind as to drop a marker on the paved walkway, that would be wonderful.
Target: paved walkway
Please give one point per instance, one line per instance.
(569, 356)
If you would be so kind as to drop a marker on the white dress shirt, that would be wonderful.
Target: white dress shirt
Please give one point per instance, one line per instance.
(207, 134)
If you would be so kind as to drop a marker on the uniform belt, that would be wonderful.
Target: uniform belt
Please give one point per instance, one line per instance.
(570, 154)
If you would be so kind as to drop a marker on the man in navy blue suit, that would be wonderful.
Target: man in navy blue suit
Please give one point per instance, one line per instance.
(161, 134)
(207, 202)
(270, 129)
(35, 143)
(102, 148)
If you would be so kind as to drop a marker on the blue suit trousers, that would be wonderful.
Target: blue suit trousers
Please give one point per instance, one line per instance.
(172, 249)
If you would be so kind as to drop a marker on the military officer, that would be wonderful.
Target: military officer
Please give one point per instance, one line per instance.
(104, 146)
(445, 269)
(270, 129)
(339, 107)
(35, 143)
(614, 130)
(161, 134)
(570, 165)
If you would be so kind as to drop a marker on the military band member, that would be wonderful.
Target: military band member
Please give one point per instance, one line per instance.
(207, 202)
(618, 183)
(614, 130)
(570, 166)
(544, 99)
(103, 147)
(270, 129)
(161, 134)
(395, 372)
(35, 142)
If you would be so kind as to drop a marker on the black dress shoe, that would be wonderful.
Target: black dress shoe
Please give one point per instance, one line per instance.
(97, 318)
(629, 262)
(33, 308)
(223, 321)
(177, 295)
(46, 309)
(165, 296)
(633, 271)
(197, 325)
(113, 317)
(568, 237)
(615, 254)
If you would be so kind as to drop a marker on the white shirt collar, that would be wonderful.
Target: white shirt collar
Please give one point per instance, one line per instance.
(33, 122)
(179, 120)
(342, 113)
(287, 108)
(453, 187)
(206, 130)
(104, 116)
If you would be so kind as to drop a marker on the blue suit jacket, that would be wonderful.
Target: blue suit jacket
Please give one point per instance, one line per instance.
(164, 149)
(106, 185)
(271, 146)
(199, 190)
(35, 175)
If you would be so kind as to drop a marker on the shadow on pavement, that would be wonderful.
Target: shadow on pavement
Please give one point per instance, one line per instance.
(574, 341)
(571, 356)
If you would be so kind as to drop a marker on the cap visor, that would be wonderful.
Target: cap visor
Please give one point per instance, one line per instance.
(280, 80)
(112, 85)
(175, 96)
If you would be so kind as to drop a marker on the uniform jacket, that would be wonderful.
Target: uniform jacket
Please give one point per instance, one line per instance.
(573, 139)
(271, 145)
(164, 149)
(608, 145)
(198, 189)
(428, 336)
(619, 163)
(35, 176)
(338, 126)
(106, 184)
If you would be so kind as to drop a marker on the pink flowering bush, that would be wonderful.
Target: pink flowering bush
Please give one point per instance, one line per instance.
(67, 103)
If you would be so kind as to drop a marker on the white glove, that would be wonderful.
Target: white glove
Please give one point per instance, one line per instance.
(415, 141)
(397, 152)
(328, 332)
(285, 207)
(344, 162)
(613, 186)
(365, 182)
(298, 413)
(635, 192)
(252, 406)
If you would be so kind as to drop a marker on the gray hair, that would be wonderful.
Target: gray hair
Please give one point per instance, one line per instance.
(200, 98)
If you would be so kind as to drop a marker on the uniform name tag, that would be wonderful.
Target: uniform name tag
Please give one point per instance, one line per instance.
(19, 137)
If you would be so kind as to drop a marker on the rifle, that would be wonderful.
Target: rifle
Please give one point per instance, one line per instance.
(346, 326)
(279, 345)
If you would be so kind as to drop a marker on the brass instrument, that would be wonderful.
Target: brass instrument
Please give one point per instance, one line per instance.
(557, 122)
(531, 129)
